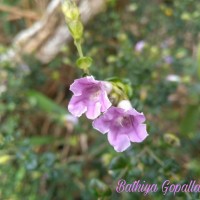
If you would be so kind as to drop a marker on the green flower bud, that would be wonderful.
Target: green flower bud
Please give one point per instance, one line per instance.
(76, 29)
(70, 11)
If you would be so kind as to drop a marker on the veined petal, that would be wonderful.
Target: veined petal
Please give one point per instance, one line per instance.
(138, 117)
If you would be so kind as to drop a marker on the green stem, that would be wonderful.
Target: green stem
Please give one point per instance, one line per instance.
(79, 48)
(80, 52)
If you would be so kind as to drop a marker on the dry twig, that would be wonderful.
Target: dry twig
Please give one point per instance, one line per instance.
(19, 13)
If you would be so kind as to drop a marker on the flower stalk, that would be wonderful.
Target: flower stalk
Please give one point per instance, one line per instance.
(79, 48)
(72, 18)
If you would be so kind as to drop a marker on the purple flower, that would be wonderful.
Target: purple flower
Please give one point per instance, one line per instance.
(140, 45)
(123, 127)
(168, 59)
(90, 97)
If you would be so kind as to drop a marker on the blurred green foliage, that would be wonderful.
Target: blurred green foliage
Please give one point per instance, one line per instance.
(41, 159)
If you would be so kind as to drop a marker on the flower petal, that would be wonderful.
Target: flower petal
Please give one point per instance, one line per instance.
(93, 110)
(76, 106)
(138, 117)
(107, 86)
(138, 134)
(79, 85)
(105, 102)
(101, 125)
(105, 121)
(119, 141)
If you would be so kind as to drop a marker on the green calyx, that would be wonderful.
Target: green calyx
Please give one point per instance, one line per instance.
(121, 90)
(84, 63)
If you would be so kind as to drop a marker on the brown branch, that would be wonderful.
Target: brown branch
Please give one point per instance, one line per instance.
(47, 35)
(19, 13)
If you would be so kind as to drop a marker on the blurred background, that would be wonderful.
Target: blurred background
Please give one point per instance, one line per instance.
(45, 153)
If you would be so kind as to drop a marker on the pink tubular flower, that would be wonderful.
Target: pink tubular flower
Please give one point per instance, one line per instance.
(123, 127)
(90, 97)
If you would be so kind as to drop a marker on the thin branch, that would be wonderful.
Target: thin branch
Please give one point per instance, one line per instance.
(19, 13)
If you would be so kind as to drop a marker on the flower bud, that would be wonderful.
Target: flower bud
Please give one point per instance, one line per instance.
(125, 104)
(70, 11)
(76, 29)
